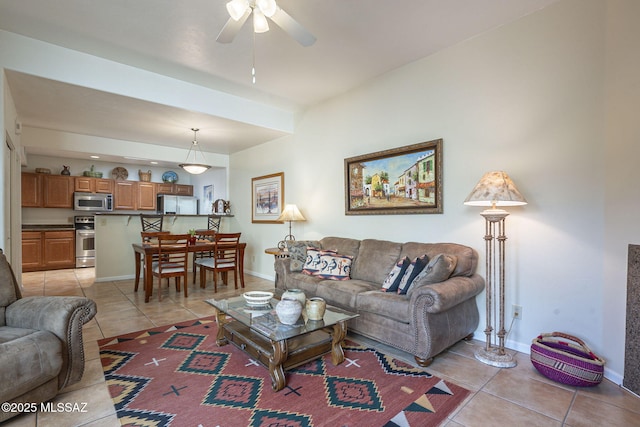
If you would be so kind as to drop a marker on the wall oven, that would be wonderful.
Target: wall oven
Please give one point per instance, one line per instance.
(85, 241)
(93, 202)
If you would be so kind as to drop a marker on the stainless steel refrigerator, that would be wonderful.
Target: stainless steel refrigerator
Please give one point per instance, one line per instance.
(179, 205)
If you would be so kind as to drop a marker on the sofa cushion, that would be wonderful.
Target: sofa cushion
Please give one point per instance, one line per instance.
(343, 294)
(438, 270)
(376, 258)
(341, 245)
(305, 282)
(387, 304)
(467, 257)
(416, 267)
(298, 252)
(334, 266)
(394, 277)
(19, 374)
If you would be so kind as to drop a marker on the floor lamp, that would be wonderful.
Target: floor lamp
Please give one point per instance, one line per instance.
(495, 189)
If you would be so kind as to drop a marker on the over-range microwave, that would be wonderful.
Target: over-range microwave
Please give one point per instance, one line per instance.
(94, 202)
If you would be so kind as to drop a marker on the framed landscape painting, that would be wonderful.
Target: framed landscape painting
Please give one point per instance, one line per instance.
(404, 180)
(267, 198)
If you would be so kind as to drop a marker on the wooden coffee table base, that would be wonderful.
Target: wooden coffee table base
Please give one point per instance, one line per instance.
(282, 355)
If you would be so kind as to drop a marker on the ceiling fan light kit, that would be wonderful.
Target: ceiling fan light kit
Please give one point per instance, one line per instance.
(260, 24)
(194, 167)
(239, 11)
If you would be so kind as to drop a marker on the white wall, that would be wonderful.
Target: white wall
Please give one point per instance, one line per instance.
(10, 176)
(527, 98)
(622, 193)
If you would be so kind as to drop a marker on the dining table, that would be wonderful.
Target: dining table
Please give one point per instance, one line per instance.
(145, 251)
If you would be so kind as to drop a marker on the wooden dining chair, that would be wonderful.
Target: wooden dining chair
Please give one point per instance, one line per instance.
(173, 254)
(149, 238)
(213, 222)
(224, 259)
(202, 235)
(151, 222)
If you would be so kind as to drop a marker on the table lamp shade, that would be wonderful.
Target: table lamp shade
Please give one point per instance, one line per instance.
(495, 189)
(291, 213)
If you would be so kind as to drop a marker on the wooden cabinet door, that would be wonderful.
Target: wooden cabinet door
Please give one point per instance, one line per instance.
(58, 191)
(164, 188)
(183, 190)
(146, 196)
(104, 185)
(31, 189)
(32, 250)
(84, 184)
(124, 195)
(59, 249)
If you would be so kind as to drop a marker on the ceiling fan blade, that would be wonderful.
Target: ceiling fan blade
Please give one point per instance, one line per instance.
(293, 28)
(232, 27)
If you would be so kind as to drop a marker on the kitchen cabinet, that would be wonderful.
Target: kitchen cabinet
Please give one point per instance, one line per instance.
(32, 250)
(58, 191)
(133, 195)
(174, 189)
(146, 199)
(48, 250)
(47, 191)
(85, 184)
(31, 189)
(124, 195)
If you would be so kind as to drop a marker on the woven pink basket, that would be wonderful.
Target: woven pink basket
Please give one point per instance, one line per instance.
(555, 357)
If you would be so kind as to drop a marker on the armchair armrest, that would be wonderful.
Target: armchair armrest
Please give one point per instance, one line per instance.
(62, 316)
(440, 297)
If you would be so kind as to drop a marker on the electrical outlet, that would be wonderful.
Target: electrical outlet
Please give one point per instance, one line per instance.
(516, 312)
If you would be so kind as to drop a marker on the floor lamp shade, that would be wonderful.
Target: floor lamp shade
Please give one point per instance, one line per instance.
(495, 189)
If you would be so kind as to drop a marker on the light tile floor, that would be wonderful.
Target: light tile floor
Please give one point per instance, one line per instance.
(500, 397)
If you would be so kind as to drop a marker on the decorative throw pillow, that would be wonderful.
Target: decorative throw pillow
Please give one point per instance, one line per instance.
(334, 266)
(312, 262)
(392, 281)
(298, 252)
(416, 267)
(438, 270)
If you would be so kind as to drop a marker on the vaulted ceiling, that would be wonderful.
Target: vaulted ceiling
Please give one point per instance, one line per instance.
(356, 41)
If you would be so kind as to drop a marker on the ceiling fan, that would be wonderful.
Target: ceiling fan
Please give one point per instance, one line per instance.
(240, 10)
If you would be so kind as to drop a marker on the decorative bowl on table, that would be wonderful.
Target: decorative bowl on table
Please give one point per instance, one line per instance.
(257, 297)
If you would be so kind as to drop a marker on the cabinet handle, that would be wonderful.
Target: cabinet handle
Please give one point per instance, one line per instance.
(243, 346)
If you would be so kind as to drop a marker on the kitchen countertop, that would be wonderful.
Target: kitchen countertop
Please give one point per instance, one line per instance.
(154, 213)
(47, 227)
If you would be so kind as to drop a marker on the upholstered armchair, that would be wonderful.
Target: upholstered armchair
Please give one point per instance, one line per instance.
(41, 349)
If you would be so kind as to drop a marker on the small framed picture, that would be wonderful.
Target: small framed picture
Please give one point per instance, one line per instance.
(267, 198)
(219, 207)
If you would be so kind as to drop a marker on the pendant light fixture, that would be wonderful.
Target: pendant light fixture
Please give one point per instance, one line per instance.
(193, 167)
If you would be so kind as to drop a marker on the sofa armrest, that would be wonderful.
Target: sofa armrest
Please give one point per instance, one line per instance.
(440, 297)
(282, 269)
(62, 316)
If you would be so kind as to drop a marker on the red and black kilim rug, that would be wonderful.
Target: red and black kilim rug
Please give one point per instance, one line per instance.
(177, 375)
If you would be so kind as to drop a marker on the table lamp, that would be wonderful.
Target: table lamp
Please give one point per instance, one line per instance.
(290, 213)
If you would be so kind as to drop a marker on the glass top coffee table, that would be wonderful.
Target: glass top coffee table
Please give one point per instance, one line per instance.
(257, 331)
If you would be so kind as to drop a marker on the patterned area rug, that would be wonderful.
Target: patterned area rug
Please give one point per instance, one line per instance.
(177, 375)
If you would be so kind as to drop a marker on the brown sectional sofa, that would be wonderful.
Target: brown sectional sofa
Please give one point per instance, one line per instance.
(426, 321)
